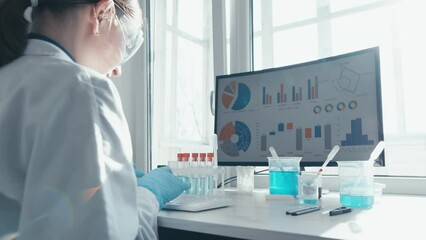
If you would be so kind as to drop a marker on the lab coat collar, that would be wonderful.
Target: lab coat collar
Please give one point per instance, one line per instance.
(43, 46)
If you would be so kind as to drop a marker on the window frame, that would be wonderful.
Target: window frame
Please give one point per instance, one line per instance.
(394, 184)
(169, 139)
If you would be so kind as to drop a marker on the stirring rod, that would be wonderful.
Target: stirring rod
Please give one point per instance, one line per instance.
(273, 152)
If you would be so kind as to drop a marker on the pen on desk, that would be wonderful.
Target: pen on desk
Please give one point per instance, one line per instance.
(297, 210)
(340, 210)
(313, 209)
(303, 210)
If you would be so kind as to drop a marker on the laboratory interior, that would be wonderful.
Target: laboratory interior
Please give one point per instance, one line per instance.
(281, 119)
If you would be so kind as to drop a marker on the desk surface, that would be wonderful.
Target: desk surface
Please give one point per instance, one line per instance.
(253, 217)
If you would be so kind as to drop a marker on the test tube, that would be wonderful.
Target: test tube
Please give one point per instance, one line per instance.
(194, 174)
(179, 160)
(194, 162)
(203, 174)
(185, 160)
(185, 166)
(210, 157)
(211, 177)
(202, 160)
(178, 172)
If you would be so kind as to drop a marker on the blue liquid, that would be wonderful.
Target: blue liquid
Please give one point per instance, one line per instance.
(283, 182)
(357, 201)
(210, 184)
(186, 180)
(202, 189)
(308, 201)
(194, 186)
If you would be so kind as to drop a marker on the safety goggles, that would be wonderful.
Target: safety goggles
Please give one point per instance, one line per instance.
(130, 23)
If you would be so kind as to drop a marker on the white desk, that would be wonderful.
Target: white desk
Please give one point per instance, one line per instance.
(252, 217)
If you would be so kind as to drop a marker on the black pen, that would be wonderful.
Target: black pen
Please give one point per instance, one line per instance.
(297, 210)
(301, 211)
(340, 210)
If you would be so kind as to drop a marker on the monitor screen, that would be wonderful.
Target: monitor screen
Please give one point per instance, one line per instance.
(301, 110)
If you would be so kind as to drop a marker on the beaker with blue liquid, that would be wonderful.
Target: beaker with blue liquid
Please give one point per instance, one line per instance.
(356, 183)
(308, 187)
(283, 175)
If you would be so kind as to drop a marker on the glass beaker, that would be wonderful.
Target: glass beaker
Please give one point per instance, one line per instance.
(356, 183)
(283, 172)
(308, 187)
(245, 178)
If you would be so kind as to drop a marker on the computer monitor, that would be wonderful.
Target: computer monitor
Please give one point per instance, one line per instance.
(301, 110)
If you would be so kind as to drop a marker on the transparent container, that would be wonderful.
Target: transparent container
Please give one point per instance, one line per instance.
(245, 178)
(283, 172)
(204, 180)
(308, 187)
(356, 183)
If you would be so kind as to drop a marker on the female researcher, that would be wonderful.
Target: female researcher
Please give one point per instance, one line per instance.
(65, 148)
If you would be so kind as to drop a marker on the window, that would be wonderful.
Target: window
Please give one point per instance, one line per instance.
(288, 32)
(182, 78)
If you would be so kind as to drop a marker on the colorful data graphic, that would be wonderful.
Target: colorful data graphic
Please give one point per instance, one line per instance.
(234, 137)
(302, 110)
(356, 137)
(295, 92)
(299, 135)
(313, 89)
(266, 98)
(287, 129)
(236, 96)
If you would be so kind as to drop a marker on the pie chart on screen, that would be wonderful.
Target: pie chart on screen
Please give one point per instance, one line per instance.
(234, 138)
(236, 96)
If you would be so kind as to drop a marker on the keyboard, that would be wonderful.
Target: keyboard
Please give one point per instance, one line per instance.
(193, 203)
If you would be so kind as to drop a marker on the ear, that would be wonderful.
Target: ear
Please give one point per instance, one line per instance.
(95, 20)
(97, 12)
(116, 72)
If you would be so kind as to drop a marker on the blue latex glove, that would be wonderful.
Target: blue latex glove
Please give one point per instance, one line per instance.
(163, 184)
(139, 173)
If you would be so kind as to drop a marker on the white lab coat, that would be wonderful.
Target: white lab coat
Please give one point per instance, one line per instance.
(65, 153)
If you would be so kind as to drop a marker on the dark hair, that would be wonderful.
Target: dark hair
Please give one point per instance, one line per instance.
(14, 27)
(13, 30)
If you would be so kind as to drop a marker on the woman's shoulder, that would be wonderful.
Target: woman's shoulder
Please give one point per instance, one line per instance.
(38, 76)
(65, 74)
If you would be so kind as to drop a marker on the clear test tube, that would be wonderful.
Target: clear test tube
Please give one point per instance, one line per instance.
(179, 160)
(212, 177)
(202, 160)
(194, 174)
(203, 186)
(194, 160)
(185, 160)
(210, 157)
(178, 171)
(185, 166)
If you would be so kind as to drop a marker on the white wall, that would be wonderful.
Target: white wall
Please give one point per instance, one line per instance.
(124, 86)
(132, 87)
